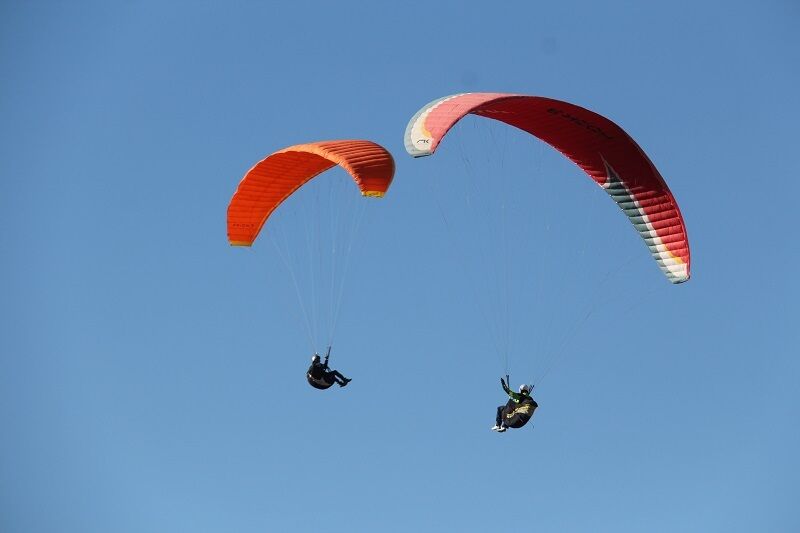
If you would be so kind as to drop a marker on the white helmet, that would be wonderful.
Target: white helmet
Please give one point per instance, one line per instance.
(315, 357)
(524, 389)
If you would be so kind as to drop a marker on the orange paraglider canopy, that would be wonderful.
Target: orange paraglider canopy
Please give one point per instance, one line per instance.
(272, 180)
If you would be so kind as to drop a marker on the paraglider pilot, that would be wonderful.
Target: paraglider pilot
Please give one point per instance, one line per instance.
(517, 411)
(320, 376)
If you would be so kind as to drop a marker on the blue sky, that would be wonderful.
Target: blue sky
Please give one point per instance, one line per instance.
(151, 377)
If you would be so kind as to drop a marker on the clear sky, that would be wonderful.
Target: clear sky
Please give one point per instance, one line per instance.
(152, 377)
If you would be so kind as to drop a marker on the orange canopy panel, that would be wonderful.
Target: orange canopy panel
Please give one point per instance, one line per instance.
(274, 179)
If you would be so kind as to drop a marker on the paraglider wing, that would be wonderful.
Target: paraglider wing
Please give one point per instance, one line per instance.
(597, 145)
(275, 178)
